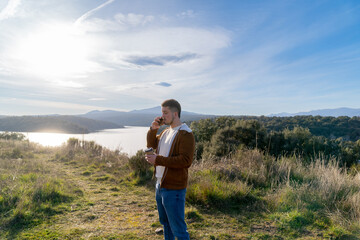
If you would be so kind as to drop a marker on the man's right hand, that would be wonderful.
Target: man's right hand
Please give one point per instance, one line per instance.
(150, 158)
(155, 124)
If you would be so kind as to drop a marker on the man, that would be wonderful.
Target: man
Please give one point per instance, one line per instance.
(174, 154)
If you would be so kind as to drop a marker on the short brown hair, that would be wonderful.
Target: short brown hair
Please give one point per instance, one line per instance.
(173, 105)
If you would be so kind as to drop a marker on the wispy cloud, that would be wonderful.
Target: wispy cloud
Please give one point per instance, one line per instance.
(140, 88)
(193, 48)
(163, 84)
(97, 99)
(91, 12)
(10, 9)
(160, 60)
(128, 87)
(118, 23)
(56, 107)
(133, 19)
(68, 84)
(188, 13)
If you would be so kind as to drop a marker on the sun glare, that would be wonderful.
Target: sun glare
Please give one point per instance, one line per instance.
(55, 51)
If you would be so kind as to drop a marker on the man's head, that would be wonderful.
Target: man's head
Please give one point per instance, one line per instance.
(171, 110)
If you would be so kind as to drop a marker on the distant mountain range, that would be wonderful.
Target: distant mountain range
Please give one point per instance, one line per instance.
(65, 124)
(142, 117)
(99, 120)
(90, 122)
(337, 112)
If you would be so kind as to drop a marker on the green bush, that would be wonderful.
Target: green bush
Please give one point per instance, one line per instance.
(224, 141)
(12, 136)
(220, 137)
(139, 165)
(207, 188)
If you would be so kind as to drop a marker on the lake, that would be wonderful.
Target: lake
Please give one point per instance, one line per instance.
(128, 139)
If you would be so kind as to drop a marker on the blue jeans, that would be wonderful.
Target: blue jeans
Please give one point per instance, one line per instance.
(171, 208)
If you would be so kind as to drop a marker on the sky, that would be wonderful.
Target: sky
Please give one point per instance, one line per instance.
(224, 57)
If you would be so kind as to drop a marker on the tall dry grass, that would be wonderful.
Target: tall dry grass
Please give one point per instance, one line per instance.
(97, 157)
(285, 184)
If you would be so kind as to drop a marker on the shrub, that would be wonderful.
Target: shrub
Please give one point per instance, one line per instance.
(90, 153)
(207, 188)
(248, 133)
(139, 165)
(12, 136)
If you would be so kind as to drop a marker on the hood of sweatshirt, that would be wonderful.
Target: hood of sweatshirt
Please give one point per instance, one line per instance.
(185, 128)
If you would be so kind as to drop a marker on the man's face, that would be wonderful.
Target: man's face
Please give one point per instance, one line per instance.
(167, 115)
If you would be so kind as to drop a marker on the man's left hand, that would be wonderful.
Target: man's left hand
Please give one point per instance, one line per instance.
(150, 158)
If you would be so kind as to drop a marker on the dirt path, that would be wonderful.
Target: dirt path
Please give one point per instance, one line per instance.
(110, 211)
(106, 210)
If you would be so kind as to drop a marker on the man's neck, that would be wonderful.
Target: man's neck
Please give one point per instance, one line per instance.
(175, 123)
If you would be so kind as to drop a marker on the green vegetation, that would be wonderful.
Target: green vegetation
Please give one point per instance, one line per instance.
(247, 182)
(221, 136)
(304, 184)
(12, 136)
(30, 193)
(299, 199)
(330, 127)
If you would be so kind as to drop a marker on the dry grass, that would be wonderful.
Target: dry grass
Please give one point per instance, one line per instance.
(247, 195)
(297, 197)
(30, 191)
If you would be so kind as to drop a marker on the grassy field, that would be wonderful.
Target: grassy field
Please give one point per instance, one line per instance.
(83, 191)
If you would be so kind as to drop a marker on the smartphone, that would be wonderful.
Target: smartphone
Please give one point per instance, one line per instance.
(149, 151)
(161, 121)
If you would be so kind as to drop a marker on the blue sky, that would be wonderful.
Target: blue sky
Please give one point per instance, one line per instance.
(233, 57)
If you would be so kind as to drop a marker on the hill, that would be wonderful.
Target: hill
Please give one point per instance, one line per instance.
(337, 112)
(142, 117)
(65, 124)
(89, 122)
(84, 191)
